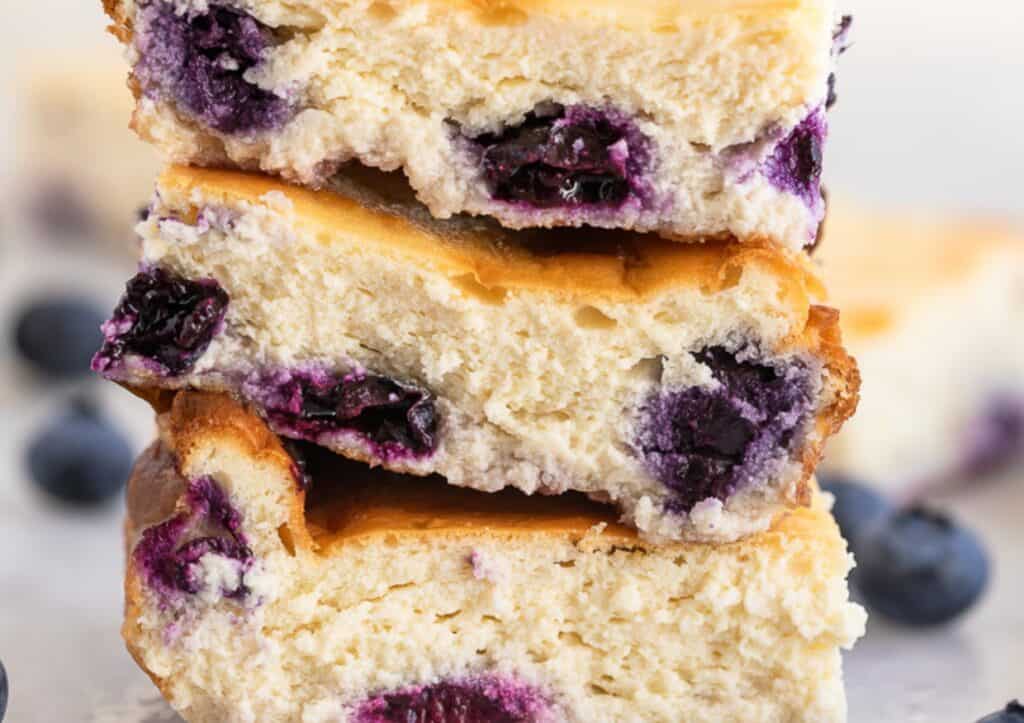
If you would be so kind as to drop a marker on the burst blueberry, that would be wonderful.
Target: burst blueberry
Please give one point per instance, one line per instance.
(169, 553)
(707, 442)
(396, 418)
(565, 157)
(468, 701)
(794, 165)
(919, 567)
(165, 319)
(201, 61)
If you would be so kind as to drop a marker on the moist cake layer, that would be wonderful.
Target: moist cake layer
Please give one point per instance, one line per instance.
(689, 119)
(935, 330)
(691, 385)
(376, 597)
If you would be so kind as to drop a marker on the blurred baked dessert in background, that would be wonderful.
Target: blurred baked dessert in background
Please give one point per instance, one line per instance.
(932, 309)
(80, 173)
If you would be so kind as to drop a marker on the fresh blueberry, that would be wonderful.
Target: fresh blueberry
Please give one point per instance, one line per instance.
(59, 335)
(919, 567)
(1012, 713)
(857, 506)
(3, 691)
(80, 458)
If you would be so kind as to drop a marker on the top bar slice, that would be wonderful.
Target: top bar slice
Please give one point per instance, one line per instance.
(691, 119)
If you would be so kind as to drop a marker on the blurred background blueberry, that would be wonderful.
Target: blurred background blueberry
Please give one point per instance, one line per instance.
(1012, 713)
(58, 335)
(919, 567)
(80, 458)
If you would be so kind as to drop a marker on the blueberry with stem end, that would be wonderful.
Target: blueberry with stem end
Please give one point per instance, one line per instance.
(1012, 713)
(58, 335)
(919, 567)
(80, 458)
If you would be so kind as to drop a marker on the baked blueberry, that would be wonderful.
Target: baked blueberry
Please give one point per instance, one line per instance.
(705, 442)
(919, 567)
(857, 506)
(170, 553)
(564, 157)
(58, 335)
(794, 165)
(163, 318)
(200, 60)
(1012, 713)
(470, 701)
(80, 458)
(397, 418)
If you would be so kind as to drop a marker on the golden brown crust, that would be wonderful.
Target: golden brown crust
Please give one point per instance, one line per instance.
(354, 503)
(585, 262)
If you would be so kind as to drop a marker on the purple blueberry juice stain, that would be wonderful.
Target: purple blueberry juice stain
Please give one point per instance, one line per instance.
(396, 419)
(165, 319)
(169, 554)
(473, 700)
(794, 164)
(199, 61)
(708, 442)
(566, 157)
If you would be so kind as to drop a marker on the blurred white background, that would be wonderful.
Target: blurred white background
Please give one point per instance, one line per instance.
(930, 113)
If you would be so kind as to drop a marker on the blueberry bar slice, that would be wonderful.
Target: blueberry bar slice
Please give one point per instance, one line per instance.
(265, 586)
(937, 329)
(693, 385)
(691, 119)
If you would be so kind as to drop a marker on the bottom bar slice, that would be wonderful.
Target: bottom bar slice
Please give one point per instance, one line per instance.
(264, 585)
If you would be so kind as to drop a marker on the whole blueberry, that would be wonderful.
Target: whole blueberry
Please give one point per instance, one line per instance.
(857, 506)
(3, 691)
(59, 335)
(80, 458)
(919, 567)
(1012, 713)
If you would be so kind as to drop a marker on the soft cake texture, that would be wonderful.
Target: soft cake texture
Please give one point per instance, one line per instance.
(677, 117)
(934, 322)
(691, 385)
(374, 595)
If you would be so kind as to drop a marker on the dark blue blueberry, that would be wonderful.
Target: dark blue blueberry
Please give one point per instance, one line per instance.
(200, 60)
(560, 157)
(58, 335)
(396, 417)
(1012, 713)
(705, 442)
(455, 702)
(918, 567)
(80, 458)
(164, 318)
(3, 691)
(857, 506)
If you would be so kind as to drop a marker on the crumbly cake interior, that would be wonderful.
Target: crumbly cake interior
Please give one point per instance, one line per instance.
(381, 594)
(447, 347)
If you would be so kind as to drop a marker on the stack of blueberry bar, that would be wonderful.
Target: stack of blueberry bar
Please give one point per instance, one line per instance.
(490, 366)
